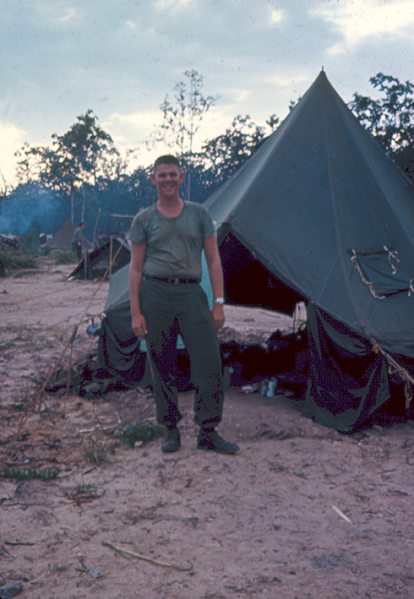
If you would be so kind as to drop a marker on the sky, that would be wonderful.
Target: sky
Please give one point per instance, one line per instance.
(120, 58)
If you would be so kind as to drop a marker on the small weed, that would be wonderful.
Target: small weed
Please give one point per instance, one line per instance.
(140, 431)
(95, 452)
(30, 473)
(83, 493)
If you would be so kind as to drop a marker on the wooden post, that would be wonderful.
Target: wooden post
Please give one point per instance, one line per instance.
(110, 258)
(96, 225)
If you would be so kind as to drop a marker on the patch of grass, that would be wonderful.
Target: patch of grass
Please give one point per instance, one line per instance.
(144, 431)
(63, 257)
(12, 261)
(95, 452)
(30, 473)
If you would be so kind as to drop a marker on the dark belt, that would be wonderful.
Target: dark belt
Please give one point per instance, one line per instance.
(171, 280)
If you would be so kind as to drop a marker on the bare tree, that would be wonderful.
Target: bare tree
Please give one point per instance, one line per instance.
(182, 118)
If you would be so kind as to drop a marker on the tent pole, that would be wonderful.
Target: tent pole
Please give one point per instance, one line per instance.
(94, 231)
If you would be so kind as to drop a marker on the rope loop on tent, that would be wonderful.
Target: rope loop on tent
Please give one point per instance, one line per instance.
(375, 348)
(369, 284)
(392, 254)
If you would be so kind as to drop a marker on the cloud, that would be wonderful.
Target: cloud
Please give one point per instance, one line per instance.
(121, 57)
(368, 20)
(276, 16)
(287, 80)
(11, 140)
(136, 125)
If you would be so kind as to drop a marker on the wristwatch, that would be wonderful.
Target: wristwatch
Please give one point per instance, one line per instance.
(219, 300)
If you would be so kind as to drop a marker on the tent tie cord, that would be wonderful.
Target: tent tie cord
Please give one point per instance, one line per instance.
(395, 368)
(392, 254)
(369, 284)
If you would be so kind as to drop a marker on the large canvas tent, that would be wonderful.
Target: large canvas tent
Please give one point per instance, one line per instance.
(320, 213)
(64, 237)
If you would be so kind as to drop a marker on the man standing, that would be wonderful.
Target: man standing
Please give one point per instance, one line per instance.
(77, 241)
(166, 299)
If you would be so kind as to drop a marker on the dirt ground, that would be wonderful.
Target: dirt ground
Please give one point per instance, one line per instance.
(300, 512)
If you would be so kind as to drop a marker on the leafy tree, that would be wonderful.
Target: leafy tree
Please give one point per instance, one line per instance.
(225, 154)
(390, 118)
(76, 158)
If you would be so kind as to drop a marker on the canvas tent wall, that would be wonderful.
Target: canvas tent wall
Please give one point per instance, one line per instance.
(116, 251)
(64, 238)
(321, 210)
(120, 352)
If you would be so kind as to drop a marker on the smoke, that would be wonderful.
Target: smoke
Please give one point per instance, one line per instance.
(30, 208)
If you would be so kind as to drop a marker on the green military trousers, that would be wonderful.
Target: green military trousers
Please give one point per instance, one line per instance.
(170, 310)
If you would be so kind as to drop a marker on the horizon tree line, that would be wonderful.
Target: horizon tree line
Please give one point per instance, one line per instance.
(82, 171)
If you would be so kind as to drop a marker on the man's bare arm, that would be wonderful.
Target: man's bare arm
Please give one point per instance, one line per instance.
(139, 325)
(216, 277)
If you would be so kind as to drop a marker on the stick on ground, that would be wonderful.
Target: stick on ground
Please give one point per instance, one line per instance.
(128, 553)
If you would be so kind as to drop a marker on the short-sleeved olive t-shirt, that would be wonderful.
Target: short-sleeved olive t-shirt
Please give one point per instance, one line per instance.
(173, 245)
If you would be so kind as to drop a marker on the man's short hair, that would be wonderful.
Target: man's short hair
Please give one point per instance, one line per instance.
(167, 159)
(81, 224)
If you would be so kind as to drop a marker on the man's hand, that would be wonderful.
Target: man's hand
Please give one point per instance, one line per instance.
(218, 316)
(139, 326)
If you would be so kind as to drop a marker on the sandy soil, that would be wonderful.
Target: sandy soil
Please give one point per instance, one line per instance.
(300, 512)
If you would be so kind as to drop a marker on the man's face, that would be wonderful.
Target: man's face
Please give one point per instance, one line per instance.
(167, 178)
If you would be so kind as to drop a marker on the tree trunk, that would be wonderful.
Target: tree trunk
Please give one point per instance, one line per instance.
(72, 215)
(83, 203)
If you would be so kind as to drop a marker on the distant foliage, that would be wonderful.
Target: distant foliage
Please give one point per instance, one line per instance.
(390, 119)
(82, 175)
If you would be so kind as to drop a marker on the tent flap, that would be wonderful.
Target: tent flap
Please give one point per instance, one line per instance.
(348, 380)
(118, 347)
